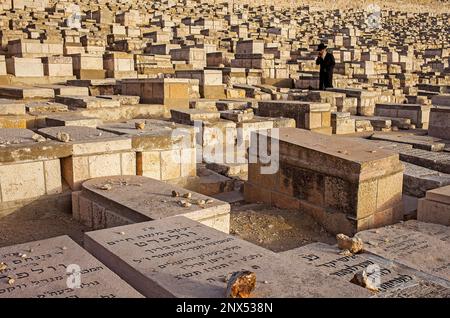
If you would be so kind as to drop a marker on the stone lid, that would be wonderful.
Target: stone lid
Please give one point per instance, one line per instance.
(142, 198)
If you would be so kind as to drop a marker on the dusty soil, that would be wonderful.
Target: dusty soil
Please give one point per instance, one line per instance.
(276, 229)
(22, 227)
(272, 228)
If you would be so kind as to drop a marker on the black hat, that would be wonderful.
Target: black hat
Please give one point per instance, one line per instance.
(321, 47)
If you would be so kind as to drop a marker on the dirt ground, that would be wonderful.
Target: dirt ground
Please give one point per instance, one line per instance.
(276, 229)
(272, 228)
(22, 227)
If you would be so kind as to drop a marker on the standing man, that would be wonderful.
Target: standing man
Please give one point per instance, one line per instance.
(326, 62)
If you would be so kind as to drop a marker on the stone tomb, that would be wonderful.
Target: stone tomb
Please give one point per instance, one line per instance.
(171, 92)
(393, 279)
(41, 269)
(26, 92)
(418, 245)
(419, 114)
(95, 153)
(28, 168)
(440, 122)
(134, 199)
(178, 257)
(435, 207)
(11, 107)
(308, 115)
(346, 185)
(157, 145)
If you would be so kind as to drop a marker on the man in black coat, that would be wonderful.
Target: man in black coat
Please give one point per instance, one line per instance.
(326, 62)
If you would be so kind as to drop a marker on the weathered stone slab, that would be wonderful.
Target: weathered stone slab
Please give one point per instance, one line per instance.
(27, 176)
(413, 248)
(45, 107)
(391, 279)
(42, 269)
(64, 90)
(438, 161)
(94, 153)
(188, 116)
(17, 145)
(418, 180)
(86, 101)
(439, 122)
(138, 199)
(70, 119)
(237, 115)
(418, 114)
(25, 92)
(419, 142)
(435, 207)
(177, 257)
(11, 107)
(123, 99)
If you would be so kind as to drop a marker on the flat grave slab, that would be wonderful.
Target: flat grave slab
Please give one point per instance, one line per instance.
(392, 279)
(439, 161)
(418, 180)
(70, 119)
(80, 101)
(46, 107)
(412, 247)
(123, 99)
(40, 270)
(419, 142)
(178, 257)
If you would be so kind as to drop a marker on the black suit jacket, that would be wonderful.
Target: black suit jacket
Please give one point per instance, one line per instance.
(326, 64)
(326, 70)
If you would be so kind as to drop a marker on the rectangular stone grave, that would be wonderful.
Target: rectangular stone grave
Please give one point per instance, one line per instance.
(419, 114)
(342, 123)
(308, 115)
(26, 92)
(134, 199)
(29, 165)
(435, 207)
(156, 143)
(25, 67)
(417, 141)
(418, 180)
(346, 185)
(86, 101)
(440, 123)
(391, 279)
(94, 153)
(171, 92)
(178, 257)
(11, 107)
(69, 119)
(43, 269)
(68, 90)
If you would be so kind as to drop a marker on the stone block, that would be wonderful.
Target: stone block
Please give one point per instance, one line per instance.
(49, 277)
(170, 272)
